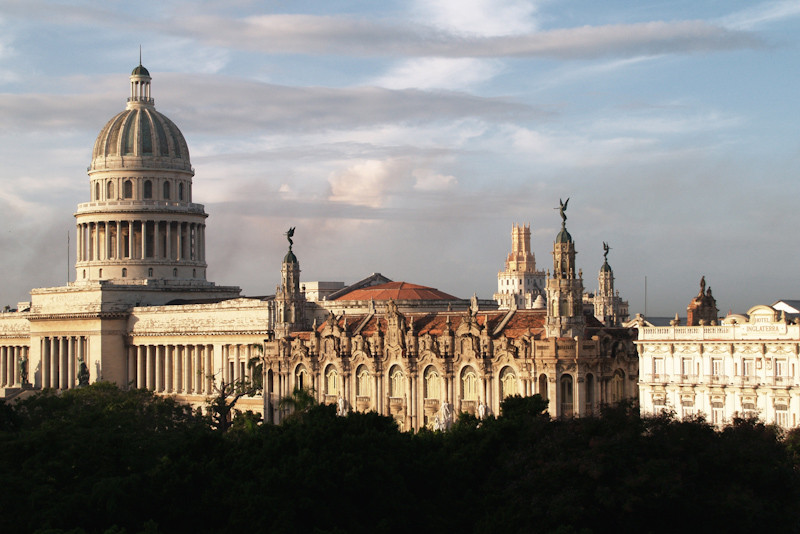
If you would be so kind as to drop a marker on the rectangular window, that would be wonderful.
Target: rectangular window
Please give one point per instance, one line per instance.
(716, 367)
(658, 366)
(748, 367)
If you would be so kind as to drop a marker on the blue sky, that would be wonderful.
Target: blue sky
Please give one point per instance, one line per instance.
(407, 137)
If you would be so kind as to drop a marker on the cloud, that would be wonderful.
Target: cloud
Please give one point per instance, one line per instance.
(762, 14)
(428, 180)
(438, 73)
(307, 34)
(366, 183)
(478, 17)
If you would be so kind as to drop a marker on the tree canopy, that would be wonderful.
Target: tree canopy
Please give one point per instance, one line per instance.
(98, 459)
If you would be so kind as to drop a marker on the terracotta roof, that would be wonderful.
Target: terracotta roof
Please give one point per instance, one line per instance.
(397, 291)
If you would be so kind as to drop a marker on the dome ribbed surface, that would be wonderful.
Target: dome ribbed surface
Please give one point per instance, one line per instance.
(140, 137)
(290, 257)
(140, 71)
(563, 236)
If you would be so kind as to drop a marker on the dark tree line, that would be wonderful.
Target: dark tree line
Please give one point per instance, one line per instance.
(97, 459)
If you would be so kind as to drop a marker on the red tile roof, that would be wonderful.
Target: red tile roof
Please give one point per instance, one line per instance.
(397, 291)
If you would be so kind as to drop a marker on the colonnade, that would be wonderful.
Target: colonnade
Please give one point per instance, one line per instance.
(60, 357)
(140, 239)
(10, 365)
(186, 369)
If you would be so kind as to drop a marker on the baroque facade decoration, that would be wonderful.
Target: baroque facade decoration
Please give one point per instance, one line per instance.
(141, 313)
(739, 366)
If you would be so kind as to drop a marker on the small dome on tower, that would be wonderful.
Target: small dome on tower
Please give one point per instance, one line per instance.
(606, 268)
(290, 257)
(563, 236)
(140, 71)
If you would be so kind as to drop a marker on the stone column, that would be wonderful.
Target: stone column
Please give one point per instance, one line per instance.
(237, 375)
(71, 360)
(130, 380)
(4, 366)
(118, 248)
(169, 386)
(144, 239)
(130, 239)
(141, 377)
(188, 369)
(159, 362)
(54, 367)
(198, 362)
(168, 239)
(45, 351)
(209, 374)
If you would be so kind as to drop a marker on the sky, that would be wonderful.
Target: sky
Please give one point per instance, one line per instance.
(407, 138)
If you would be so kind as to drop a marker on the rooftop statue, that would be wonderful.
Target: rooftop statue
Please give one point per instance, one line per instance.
(606, 248)
(289, 236)
(562, 208)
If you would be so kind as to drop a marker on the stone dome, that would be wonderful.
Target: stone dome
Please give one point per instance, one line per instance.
(563, 236)
(140, 137)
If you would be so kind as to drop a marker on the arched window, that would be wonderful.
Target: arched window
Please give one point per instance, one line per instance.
(566, 396)
(332, 381)
(397, 382)
(508, 383)
(97, 191)
(302, 380)
(618, 386)
(363, 388)
(433, 384)
(110, 190)
(127, 189)
(148, 189)
(194, 273)
(469, 384)
(166, 190)
(174, 273)
(543, 386)
(180, 191)
(100, 274)
(150, 272)
(124, 272)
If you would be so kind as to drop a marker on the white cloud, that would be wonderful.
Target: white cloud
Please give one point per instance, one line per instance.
(761, 14)
(479, 17)
(366, 183)
(438, 73)
(428, 180)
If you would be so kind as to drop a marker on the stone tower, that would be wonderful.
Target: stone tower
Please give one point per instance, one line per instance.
(564, 288)
(609, 308)
(520, 283)
(289, 301)
(140, 225)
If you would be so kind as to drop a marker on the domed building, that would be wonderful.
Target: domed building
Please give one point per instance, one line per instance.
(141, 313)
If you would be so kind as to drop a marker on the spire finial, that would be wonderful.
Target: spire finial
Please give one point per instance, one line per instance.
(140, 55)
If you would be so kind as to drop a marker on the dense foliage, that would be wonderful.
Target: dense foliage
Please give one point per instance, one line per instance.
(97, 459)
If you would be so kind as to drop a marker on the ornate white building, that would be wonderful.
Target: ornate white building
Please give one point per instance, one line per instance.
(142, 314)
(742, 365)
